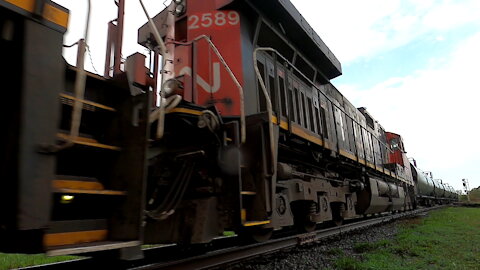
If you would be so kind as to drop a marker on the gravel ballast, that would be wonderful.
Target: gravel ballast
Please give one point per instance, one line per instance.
(322, 254)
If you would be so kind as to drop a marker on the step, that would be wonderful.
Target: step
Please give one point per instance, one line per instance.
(250, 223)
(90, 247)
(255, 223)
(70, 232)
(87, 142)
(82, 187)
(87, 105)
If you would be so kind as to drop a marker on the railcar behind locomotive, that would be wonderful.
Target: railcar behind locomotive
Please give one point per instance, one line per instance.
(250, 136)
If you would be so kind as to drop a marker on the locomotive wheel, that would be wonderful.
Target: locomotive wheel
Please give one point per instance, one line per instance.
(337, 209)
(305, 224)
(301, 214)
(337, 221)
(262, 234)
(256, 234)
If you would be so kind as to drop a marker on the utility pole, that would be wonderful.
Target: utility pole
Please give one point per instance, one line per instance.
(466, 188)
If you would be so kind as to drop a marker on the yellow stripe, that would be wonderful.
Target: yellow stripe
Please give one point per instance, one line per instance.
(387, 171)
(347, 154)
(187, 111)
(70, 238)
(256, 223)
(77, 184)
(243, 215)
(55, 15)
(302, 133)
(284, 125)
(90, 191)
(87, 142)
(299, 131)
(98, 105)
(28, 5)
(327, 145)
(362, 161)
(370, 165)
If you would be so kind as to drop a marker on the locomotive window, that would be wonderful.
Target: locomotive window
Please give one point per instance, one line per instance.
(290, 105)
(324, 122)
(273, 93)
(370, 121)
(283, 104)
(317, 120)
(310, 114)
(304, 111)
(263, 103)
(297, 103)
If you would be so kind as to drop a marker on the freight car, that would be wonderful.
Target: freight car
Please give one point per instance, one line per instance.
(431, 191)
(250, 135)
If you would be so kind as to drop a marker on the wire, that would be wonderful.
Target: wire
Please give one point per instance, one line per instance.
(70, 46)
(91, 60)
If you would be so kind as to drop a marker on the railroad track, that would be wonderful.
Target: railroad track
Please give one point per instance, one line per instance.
(223, 251)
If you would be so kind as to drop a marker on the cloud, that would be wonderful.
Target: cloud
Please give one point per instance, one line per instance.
(363, 29)
(435, 109)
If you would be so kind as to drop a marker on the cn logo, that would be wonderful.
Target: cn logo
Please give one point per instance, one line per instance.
(206, 86)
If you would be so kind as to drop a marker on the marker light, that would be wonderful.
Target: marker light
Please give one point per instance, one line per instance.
(180, 9)
(66, 199)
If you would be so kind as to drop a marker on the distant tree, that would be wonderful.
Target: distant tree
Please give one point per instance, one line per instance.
(475, 195)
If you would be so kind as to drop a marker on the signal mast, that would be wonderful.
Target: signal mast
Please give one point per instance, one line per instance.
(466, 188)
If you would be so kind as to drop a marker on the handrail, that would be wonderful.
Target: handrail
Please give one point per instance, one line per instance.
(163, 51)
(232, 76)
(269, 104)
(80, 80)
(325, 95)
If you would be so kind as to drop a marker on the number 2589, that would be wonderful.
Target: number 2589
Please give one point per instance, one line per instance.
(220, 18)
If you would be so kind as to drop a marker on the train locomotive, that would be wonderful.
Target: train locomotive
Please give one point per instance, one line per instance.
(250, 135)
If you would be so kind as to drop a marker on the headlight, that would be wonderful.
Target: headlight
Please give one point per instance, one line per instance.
(178, 2)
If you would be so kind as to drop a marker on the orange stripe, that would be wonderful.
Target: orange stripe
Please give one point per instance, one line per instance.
(299, 131)
(87, 142)
(302, 133)
(28, 5)
(255, 223)
(77, 184)
(70, 238)
(184, 110)
(94, 104)
(90, 191)
(55, 15)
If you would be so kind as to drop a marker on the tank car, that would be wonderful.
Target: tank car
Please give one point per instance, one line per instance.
(250, 135)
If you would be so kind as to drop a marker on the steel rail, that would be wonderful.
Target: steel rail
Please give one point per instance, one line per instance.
(225, 255)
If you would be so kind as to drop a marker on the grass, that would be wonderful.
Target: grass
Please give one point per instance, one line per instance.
(13, 261)
(447, 239)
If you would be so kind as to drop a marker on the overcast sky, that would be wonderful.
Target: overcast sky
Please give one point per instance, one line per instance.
(415, 65)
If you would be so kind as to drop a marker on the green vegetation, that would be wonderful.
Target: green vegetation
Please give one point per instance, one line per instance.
(12, 261)
(447, 239)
